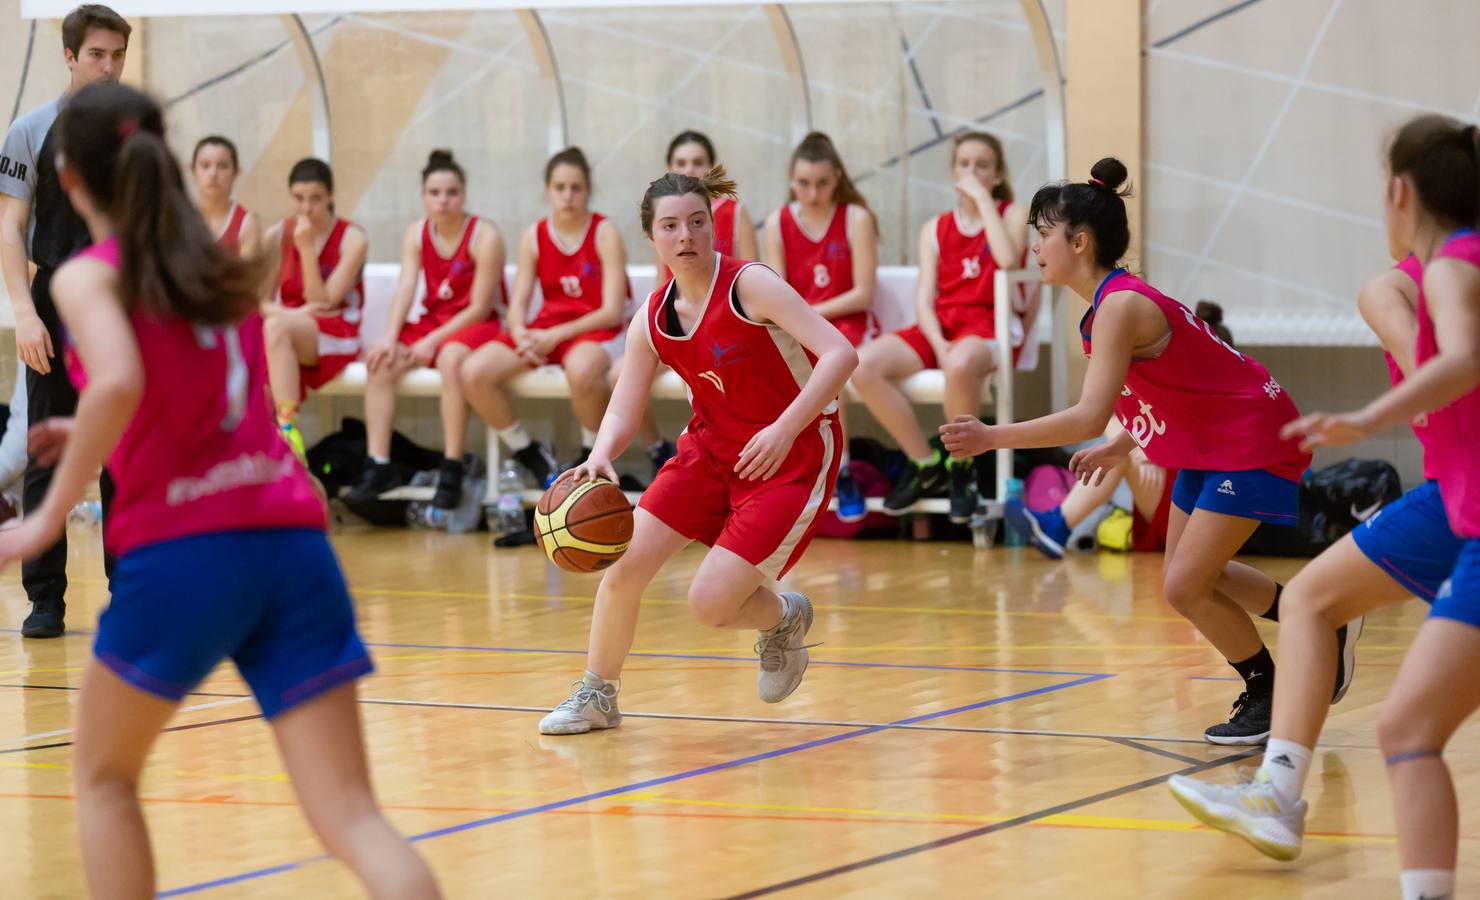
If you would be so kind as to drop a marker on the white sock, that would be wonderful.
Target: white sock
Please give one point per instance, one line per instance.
(588, 437)
(1287, 764)
(596, 681)
(1428, 884)
(515, 437)
(380, 460)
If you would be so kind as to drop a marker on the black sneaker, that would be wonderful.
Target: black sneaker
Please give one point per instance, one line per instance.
(377, 478)
(1248, 722)
(45, 620)
(449, 484)
(660, 453)
(963, 491)
(1346, 657)
(540, 462)
(914, 483)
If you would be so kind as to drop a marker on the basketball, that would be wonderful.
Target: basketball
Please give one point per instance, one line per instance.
(583, 527)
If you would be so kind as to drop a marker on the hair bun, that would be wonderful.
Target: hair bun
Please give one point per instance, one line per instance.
(439, 157)
(1108, 174)
(1209, 312)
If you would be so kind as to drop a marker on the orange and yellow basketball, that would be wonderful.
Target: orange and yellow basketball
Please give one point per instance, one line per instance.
(583, 527)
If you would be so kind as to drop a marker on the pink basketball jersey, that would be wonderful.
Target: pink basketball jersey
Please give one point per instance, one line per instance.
(741, 374)
(1414, 270)
(1454, 431)
(202, 453)
(1201, 404)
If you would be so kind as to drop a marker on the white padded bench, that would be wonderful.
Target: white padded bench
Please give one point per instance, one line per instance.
(894, 307)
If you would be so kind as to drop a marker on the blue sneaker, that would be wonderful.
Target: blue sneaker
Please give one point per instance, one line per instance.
(1035, 527)
(851, 505)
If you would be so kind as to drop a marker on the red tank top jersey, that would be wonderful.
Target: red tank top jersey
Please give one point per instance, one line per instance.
(966, 273)
(570, 282)
(1454, 431)
(1411, 267)
(290, 275)
(724, 231)
(231, 233)
(741, 375)
(449, 279)
(820, 270)
(1201, 404)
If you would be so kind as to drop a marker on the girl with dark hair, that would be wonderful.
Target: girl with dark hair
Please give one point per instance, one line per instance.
(960, 252)
(1425, 544)
(313, 331)
(221, 543)
(214, 166)
(755, 467)
(1191, 403)
(578, 259)
(461, 260)
(825, 243)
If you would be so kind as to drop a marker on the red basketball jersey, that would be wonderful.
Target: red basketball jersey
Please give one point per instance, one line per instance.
(290, 274)
(966, 273)
(570, 282)
(742, 375)
(1201, 404)
(231, 233)
(820, 270)
(449, 279)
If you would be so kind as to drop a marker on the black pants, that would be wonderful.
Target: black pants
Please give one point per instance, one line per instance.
(49, 395)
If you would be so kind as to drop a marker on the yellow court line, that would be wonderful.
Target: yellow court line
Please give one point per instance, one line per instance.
(281, 778)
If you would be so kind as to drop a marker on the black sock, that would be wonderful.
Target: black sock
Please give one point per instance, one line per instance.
(1257, 672)
(1273, 613)
(453, 466)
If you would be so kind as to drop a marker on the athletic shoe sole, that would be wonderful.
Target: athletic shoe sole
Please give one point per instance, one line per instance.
(1247, 740)
(1020, 519)
(1348, 658)
(1231, 821)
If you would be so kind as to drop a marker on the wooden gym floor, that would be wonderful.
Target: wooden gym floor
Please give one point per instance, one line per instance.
(973, 725)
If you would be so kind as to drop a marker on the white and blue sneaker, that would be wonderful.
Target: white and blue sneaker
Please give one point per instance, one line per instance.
(1034, 529)
(1254, 811)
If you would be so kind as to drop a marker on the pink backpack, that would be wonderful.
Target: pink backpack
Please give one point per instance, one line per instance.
(1046, 487)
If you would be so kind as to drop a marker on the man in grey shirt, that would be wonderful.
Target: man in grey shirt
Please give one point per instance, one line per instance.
(38, 225)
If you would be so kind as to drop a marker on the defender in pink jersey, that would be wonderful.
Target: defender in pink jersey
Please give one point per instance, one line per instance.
(220, 534)
(825, 242)
(460, 260)
(755, 468)
(960, 252)
(692, 153)
(1190, 402)
(577, 259)
(1432, 206)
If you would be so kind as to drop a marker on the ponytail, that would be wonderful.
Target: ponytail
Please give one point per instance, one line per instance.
(715, 183)
(818, 147)
(171, 264)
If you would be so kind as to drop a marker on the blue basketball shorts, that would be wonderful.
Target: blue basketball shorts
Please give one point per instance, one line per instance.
(1410, 539)
(272, 601)
(1250, 494)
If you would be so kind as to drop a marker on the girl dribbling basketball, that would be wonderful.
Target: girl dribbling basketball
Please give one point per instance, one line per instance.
(754, 469)
(221, 543)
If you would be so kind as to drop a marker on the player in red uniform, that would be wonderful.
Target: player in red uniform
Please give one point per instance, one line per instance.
(580, 264)
(692, 153)
(461, 259)
(960, 252)
(215, 165)
(825, 243)
(755, 467)
(313, 331)
(1191, 403)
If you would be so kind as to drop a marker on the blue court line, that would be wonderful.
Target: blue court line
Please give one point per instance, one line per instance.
(815, 662)
(653, 782)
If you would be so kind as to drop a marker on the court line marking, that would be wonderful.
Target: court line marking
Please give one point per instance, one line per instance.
(184, 709)
(1130, 742)
(995, 827)
(187, 727)
(654, 782)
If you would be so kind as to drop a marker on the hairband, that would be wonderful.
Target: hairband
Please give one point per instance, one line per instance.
(1094, 180)
(126, 128)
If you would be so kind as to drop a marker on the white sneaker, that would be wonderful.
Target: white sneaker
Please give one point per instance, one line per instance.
(1254, 811)
(1346, 656)
(783, 650)
(592, 704)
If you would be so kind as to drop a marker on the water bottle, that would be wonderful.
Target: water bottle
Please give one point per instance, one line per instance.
(510, 508)
(983, 529)
(425, 515)
(87, 514)
(1014, 491)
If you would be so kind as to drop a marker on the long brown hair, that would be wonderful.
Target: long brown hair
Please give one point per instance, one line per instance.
(1003, 189)
(1442, 158)
(818, 147)
(715, 183)
(112, 136)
